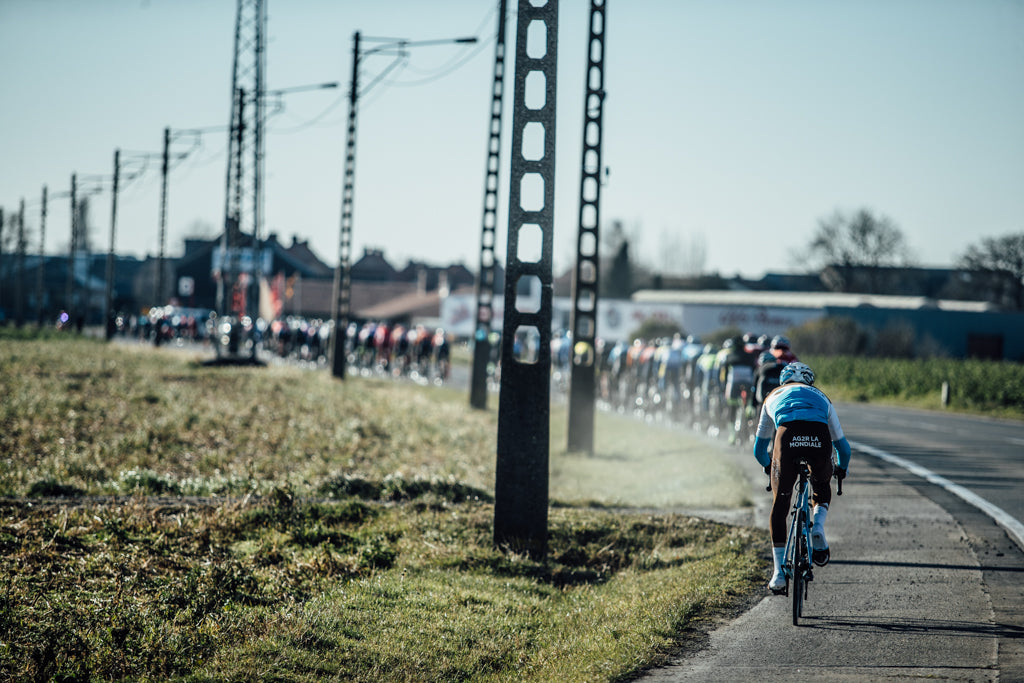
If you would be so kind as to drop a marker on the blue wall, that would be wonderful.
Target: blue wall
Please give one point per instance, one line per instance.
(950, 329)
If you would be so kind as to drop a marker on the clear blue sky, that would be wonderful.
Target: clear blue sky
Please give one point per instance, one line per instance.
(733, 124)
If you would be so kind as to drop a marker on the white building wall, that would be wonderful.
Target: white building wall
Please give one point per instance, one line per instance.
(617, 318)
(702, 319)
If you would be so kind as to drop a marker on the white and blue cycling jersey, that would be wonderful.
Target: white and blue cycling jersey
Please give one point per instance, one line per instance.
(797, 401)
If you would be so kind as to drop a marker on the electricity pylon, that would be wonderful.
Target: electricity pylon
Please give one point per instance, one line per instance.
(243, 211)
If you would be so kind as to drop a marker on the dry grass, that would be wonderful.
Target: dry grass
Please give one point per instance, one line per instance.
(272, 523)
(83, 416)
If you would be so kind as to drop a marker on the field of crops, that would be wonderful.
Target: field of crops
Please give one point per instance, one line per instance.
(992, 388)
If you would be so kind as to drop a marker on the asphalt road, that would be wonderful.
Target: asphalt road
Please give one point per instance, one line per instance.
(922, 583)
(984, 456)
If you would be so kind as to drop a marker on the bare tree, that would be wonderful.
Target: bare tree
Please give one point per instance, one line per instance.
(678, 258)
(619, 280)
(996, 265)
(852, 250)
(696, 257)
(670, 251)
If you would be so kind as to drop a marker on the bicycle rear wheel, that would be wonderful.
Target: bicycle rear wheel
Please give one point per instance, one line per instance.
(800, 563)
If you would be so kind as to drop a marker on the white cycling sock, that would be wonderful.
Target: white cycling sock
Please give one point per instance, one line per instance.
(820, 512)
(778, 556)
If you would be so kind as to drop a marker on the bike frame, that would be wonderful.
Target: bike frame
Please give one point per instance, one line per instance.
(797, 566)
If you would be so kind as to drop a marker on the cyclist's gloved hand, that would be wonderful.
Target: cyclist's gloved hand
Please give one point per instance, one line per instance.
(768, 470)
(840, 473)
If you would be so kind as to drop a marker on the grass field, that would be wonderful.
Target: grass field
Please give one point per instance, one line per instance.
(165, 520)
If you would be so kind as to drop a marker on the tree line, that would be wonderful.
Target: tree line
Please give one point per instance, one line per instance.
(859, 251)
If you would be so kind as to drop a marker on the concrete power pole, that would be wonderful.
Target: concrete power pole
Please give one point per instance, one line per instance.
(160, 295)
(108, 298)
(69, 289)
(524, 405)
(585, 281)
(42, 261)
(485, 280)
(19, 284)
(342, 289)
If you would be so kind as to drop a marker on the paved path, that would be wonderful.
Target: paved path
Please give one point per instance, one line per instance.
(921, 586)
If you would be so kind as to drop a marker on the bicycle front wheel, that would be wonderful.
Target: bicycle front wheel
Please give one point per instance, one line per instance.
(801, 558)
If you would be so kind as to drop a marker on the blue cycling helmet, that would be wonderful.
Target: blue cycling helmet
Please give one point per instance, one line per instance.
(797, 372)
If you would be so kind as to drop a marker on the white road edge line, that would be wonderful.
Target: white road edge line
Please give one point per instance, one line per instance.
(1013, 527)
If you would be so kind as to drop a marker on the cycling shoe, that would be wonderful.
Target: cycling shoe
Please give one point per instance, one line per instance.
(777, 584)
(819, 553)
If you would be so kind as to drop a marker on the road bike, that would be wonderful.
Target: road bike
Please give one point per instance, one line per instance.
(745, 417)
(797, 566)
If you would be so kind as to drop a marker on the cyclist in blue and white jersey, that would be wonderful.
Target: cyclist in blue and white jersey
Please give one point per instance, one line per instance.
(806, 429)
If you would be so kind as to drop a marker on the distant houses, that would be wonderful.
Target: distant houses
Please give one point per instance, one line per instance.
(48, 286)
(966, 313)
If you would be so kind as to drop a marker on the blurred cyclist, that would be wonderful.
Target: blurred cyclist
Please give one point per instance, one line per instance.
(780, 349)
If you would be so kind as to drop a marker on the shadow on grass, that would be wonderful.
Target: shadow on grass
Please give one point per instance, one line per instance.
(399, 489)
(592, 553)
(49, 488)
(225, 361)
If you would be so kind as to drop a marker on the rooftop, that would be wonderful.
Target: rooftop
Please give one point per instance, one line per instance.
(806, 300)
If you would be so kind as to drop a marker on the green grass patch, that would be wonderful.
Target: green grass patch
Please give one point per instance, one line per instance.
(166, 520)
(353, 591)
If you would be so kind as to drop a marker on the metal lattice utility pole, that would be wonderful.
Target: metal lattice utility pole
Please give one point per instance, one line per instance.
(2, 223)
(42, 260)
(19, 285)
(585, 280)
(244, 189)
(342, 274)
(69, 291)
(485, 280)
(108, 297)
(521, 476)
(161, 286)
